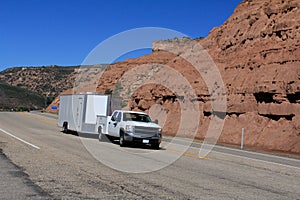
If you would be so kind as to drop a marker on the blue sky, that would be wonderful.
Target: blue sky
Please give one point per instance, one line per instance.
(62, 32)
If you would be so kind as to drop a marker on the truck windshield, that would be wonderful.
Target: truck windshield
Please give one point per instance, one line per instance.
(136, 117)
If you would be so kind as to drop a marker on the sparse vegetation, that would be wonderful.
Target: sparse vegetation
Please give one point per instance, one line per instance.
(47, 82)
(118, 88)
(108, 91)
(19, 99)
(124, 104)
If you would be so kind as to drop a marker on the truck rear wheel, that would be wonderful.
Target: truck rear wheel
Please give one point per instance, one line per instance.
(101, 136)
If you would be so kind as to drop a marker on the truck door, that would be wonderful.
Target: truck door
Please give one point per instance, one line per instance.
(114, 124)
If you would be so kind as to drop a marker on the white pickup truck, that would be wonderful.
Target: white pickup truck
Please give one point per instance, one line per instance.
(130, 126)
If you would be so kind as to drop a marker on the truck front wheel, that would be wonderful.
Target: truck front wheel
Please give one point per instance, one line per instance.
(122, 140)
(155, 146)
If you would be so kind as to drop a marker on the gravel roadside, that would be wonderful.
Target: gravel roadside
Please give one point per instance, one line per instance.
(15, 184)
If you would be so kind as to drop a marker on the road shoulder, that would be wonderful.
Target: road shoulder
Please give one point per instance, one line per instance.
(15, 183)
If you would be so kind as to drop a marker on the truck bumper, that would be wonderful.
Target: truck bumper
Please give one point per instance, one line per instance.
(137, 138)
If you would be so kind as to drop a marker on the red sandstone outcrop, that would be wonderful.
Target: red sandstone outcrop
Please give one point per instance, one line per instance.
(257, 53)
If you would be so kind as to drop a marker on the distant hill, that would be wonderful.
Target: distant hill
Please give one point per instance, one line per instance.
(19, 99)
(48, 82)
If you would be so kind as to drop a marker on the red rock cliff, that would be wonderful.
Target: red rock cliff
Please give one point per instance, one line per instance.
(257, 53)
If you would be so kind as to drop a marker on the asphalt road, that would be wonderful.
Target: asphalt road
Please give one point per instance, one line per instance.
(41, 162)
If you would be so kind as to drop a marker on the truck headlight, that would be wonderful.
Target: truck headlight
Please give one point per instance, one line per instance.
(129, 128)
(159, 132)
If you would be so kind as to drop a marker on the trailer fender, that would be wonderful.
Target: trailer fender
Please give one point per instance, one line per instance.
(100, 129)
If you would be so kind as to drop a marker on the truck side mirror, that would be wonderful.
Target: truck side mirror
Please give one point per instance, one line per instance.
(113, 118)
(156, 121)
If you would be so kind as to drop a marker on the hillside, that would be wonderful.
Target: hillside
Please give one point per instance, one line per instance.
(47, 81)
(257, 53)
(19, 99)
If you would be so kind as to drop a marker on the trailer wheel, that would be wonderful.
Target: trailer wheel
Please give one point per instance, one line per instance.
(65, 127)
(102, 137)
(122, 140)
(100, 134)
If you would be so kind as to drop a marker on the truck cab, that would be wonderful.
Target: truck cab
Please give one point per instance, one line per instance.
(135, 127)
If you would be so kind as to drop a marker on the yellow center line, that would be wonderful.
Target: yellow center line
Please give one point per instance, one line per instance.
(188, 154)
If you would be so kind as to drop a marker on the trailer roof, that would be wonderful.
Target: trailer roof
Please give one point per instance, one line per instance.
(130, 111)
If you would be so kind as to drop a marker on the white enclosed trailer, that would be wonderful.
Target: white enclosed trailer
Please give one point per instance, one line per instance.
(78, 112)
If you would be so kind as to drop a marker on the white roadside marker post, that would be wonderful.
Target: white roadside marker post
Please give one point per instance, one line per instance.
(242, 139)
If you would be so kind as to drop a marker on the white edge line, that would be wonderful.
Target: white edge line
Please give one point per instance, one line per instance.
(32, 145)
(256, 153)
(242, 151)
(245, 157)
(257, 160)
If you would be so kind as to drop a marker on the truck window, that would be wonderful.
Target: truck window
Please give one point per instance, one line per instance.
(118, 117)
(136, 117)
(114, 116)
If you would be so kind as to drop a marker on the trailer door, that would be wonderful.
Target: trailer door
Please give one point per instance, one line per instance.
(78, 116)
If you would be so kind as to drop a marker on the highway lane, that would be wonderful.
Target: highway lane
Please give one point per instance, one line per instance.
(283, 159)
(63, 167)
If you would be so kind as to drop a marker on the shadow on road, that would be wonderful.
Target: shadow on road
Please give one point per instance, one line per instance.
(110, 139)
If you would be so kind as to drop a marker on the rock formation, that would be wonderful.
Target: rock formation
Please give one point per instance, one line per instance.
(257, 53)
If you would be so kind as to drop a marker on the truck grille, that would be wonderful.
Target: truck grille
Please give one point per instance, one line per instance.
(145, 130)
